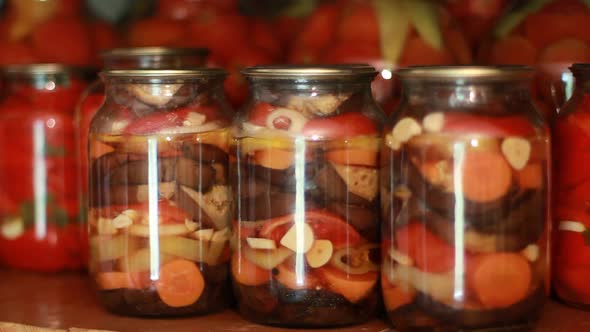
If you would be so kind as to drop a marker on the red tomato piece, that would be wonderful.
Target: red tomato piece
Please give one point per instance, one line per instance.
(571, 282)
(63, 40)
(156, 121)
(47, 254)
(340, 126)
(429, 252)
(260, 113)
(488, 125)
(16, 53)
(325, 225)
(572, 149)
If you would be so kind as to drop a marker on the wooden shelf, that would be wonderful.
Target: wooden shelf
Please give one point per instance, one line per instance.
(67, 300)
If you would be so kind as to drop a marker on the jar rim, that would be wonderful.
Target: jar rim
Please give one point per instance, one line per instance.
(203, 72)
(40, 69)
(468, 73)
(132, 52)
(314, 72)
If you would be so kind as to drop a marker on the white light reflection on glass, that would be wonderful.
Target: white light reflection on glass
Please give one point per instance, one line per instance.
(50, 86)
(39, 179)
(386, 74)
(51, 123)
(299, 208)
(459, 157)
(474, 143)
(153, 193)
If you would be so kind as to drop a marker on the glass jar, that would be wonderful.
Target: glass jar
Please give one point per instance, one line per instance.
(571, 250)
(465, 201)
(550, 35)
(38, 196)
(304, 168)
(353, 31)
(159, 196)
(56, 31)
(93, 97)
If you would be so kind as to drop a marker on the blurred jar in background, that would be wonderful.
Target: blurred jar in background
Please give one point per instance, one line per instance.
(93, 97)
(39, 227)
(33, 31)
(387, 34)
(550, 35)
(236, 41)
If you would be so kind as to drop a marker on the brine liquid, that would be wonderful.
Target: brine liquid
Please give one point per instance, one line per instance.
(159, 222)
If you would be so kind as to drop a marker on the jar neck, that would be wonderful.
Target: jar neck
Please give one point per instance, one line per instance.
(154, 61)
(453, 95)
(261, 90)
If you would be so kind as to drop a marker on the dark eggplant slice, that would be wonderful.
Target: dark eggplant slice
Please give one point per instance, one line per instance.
(129, 194)
(266, 206)
(521, 315)
(256, 300)
(136, 172)
(333, 187)
(444, 202)
(197, 176)
(102, 167)
(205, 153)
(365, 219)
(282, 178)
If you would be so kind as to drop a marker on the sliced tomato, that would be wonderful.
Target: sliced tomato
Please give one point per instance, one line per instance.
(429, 252)
(156, 121)
(571, 139)
(461, 123)
(571, 282)
(340, 126)
(260, 113)
(325, 226)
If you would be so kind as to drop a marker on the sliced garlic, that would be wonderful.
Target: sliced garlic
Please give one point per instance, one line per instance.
(12, 228)
(191, 225)
(404, 130)
(203, 234)
(319, 254)
(400, 258)
(194, 119)
(572, 226)
(517, 152)
(122, 221)
(154, 94)
(531, 252)
(259, 243)
(299, 238)
(104, 226)
(433, 122)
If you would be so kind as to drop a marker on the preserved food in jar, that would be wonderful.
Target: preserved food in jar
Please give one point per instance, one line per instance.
(387, 34)
(93, 97)
(571, 250)
(548, 34)
(159, 195)
(465, 201)
(305, 180)
(38, 197)
(43, 31)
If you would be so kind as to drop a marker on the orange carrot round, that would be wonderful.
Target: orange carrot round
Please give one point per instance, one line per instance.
(513, 50)
(499, 280)
(246, 273)
(181, 283)
(361, 157)
(274, 158)
(486, 176)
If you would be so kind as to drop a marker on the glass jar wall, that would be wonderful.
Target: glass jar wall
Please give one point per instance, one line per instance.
(571, 266)
(38, 208)
(94, 96)
(159, 196)
(465, 201)
(304, 168)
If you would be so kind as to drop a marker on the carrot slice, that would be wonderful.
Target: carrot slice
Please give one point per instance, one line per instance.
(499, 280)
(247, 273)
(566, 51)
(513, 50)
(486, 176)
(530, 177)
(118, 280)
(353, 287)
(361, 157)
(543, 29)
(395, 297)
(418, 52)
(274, 158)
(181, 283)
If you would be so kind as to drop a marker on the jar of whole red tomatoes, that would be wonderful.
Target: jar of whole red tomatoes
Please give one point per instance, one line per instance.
(464, 196)
(93, 97)
(159, 195)
(39, 228)
(304, 167)
(549, 35)
(571, 251)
